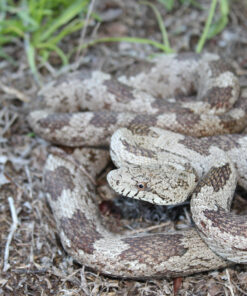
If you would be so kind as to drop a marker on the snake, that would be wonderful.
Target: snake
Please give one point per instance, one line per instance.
(171, 126)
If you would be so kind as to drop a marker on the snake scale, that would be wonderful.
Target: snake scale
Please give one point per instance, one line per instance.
(172, 125)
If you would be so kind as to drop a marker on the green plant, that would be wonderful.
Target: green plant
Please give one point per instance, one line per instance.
(212, 29)
(169, 4)
(164, 46)
(41, 24)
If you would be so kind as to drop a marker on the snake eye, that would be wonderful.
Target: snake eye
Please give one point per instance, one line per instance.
(141, 185)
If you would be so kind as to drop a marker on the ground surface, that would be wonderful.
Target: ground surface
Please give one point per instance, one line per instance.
(38, 264)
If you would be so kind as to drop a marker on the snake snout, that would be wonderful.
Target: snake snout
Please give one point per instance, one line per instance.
(121, 182)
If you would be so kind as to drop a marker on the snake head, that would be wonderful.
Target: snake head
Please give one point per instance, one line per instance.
(162, 185)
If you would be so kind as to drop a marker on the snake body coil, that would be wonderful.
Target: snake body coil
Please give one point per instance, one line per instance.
(145, 110)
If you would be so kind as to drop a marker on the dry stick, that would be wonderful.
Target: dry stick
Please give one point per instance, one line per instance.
(84, 30)
(229, 285)
(8, 124)
(84, 284)
(29, 178)
(13, 227)
(132, 232)
(15, 92)
(240, 290)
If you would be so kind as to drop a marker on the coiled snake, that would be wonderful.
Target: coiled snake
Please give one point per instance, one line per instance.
(155, 111)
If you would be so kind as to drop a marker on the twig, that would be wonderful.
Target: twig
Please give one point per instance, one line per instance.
(229, 286)
(29, 271)
(8, 118)
(29, 178)
(148, 228)
(241, 290)
(84, 284)
(84, 30)
(12, 91)
(13, 228)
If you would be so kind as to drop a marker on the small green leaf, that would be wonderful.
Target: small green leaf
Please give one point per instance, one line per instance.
(222, 22)
(31, 135)
(224, 7)
(217, 27)
(169, 4)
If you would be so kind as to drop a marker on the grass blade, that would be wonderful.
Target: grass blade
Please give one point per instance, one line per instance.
(64, 18)
(55, 48)
(30, 52)
(70, 28)
(127, 39)
(218, 26)
(161, 25)
(204, 35)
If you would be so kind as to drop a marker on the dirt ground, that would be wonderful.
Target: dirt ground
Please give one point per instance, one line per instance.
(38, 265)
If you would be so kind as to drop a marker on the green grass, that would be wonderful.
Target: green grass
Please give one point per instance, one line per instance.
(43, 24)
(170, 4)
(164, 46)
(211, 28)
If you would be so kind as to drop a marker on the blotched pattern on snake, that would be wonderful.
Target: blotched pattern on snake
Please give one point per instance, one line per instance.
(170, 124)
